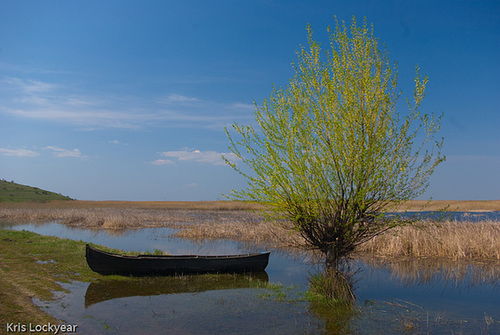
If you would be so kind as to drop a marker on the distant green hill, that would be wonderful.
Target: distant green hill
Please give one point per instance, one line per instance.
(13, 192)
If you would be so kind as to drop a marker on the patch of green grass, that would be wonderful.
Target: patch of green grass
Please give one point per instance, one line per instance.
(32, 265)
(281, 293)
(13, 192)
(274, 291)
(156, 252)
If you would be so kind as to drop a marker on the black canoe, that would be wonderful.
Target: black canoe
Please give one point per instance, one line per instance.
(107, 263)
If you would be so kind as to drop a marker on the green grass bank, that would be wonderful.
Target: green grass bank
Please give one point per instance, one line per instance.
(14, 192)
(31, 266)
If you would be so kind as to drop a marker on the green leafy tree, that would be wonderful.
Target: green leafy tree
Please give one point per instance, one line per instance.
(330, 153)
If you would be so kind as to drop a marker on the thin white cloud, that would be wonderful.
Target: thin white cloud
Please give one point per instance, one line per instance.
(163, 162)
(190, 185)
(57, 152)
(239, 105)
(173, 98)
(30, 85)
(18, 152)
(60, 152)
(34, 99)
(209, 157)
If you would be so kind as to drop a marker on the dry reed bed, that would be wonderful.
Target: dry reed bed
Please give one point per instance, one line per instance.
(162, 205)
(450, 239)
(252, 229)
(412, 205)
(114, 218)
(196, 224)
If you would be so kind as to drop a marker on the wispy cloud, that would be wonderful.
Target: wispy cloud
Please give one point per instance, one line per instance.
(29, 85)
(239, 105)
(209, 157)
(18, 152)
(60, 152)
(35, 99)
(174, 98)
(163, 162)
(56, 151)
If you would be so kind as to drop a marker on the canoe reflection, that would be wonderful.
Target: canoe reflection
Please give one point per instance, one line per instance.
(148, 286)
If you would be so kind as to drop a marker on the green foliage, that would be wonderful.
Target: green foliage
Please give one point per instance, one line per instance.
(331, 152)
(13, 192)
(158, 252)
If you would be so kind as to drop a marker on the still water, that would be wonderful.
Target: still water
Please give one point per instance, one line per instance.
(393, 296)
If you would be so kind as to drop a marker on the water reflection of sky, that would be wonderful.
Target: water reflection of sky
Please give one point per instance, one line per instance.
(454, 216)
(441, 293)
(394, 288)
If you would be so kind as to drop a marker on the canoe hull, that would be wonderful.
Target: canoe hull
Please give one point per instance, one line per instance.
(145, 265)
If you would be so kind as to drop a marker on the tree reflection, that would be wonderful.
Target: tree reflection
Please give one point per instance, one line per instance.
(332, 297)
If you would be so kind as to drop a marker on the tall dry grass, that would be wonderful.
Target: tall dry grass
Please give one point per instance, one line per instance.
(450, 239)
(162, 205)
(457, 205)
(123, 217)
(250, 229)
(93, 218)
(123, 214)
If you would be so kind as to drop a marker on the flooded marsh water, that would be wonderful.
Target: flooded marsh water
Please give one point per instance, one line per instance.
(393, 295)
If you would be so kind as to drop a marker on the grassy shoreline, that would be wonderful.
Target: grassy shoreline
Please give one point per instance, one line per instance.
(31, 266)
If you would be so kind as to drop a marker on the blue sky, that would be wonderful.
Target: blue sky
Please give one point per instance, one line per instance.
(128, 100)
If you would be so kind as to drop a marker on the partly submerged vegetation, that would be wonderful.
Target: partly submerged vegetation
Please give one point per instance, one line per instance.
(333, 286)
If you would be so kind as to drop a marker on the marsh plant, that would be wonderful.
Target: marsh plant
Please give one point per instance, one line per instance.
(333, 286)
(331, 298)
